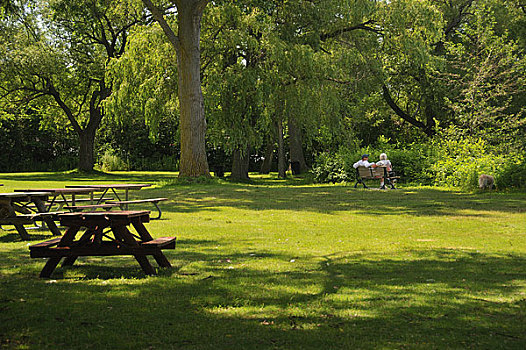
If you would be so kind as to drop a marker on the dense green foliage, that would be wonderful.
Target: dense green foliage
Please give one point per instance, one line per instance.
(434, 84)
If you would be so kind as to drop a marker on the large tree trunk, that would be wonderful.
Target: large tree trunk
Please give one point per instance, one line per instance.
(192, 123)
(266, 166)
(296, 145)
(86, 150)
(282, 163)
(240, 163)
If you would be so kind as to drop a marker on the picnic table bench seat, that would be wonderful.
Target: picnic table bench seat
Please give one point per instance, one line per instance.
(50, 248)
(106, 206)
(154, 201)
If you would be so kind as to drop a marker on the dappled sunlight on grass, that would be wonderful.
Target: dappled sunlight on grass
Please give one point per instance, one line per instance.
(283, 264)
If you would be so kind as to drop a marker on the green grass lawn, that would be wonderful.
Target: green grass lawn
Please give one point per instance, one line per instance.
(275, 264)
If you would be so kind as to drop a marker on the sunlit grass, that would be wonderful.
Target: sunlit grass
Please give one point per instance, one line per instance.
(283, 264)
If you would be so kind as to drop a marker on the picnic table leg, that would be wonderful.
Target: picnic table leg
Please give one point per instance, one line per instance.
(122, 233)
(102, 196)
(70, 260)
(7, 205)
(22, 232)
(49, 221)
(52, 263)
(158, 209)
(159, 257)
(50, 266)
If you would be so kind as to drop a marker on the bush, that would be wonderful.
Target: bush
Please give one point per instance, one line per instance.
(460, 162)
(512, 175)
(332, 168)
(110, 161)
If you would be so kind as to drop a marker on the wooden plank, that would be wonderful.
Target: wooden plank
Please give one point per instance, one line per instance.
(147, 200)
(104, 249)
(161, 242)
(46, 244)
(16, 220)
(91, 206)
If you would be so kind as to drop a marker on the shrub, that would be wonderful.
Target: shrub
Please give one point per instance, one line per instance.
(460, 162)
(332, 168)
(512, 175)
(110, 161)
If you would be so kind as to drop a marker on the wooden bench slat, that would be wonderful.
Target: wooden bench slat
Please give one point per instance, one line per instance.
(162, 242)
(16, 220)
(91, 206)
(46, 244)
(148, 200)
(104, 249)
(154, 201)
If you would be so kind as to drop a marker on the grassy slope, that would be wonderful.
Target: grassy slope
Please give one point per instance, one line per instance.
(280, 264)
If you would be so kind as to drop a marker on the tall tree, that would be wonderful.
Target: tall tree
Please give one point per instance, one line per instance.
(192, 114)
(57, 52)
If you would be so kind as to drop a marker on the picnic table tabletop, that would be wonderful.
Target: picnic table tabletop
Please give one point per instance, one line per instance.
(124, 213)
(24, 195)
(70, 190)
(105, 188)
(122, 186)
(104, 215)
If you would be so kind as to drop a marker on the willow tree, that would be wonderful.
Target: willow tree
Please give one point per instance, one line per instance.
(55, 54)
(186, 43)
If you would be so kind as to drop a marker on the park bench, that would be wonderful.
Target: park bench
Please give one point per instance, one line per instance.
(369, 173)
(154, 201)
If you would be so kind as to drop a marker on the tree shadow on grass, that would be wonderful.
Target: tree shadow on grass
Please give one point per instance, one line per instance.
(432, 299)
(294, 194)
(332, 199)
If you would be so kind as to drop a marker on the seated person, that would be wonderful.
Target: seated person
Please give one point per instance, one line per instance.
(364, 162)
(384, 162)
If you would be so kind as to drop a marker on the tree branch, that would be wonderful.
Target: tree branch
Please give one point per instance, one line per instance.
(361, 26)
(56, 95)
(400, 112)
(159, 17)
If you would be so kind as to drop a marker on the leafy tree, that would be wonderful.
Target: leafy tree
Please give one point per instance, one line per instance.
(56, 52)
(488, 73)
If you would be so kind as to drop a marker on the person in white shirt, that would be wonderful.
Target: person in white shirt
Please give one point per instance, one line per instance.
(364, 162)
(384, 162)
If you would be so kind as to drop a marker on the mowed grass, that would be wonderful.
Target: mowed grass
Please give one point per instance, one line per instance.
(275, 264)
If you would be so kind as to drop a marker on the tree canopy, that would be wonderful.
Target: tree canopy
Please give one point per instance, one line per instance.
(249, 82)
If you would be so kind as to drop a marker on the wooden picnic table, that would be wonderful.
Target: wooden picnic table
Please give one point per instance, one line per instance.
(113, 188)
(56, 193)
(124, 201)
(17, 202)
(106, 234)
